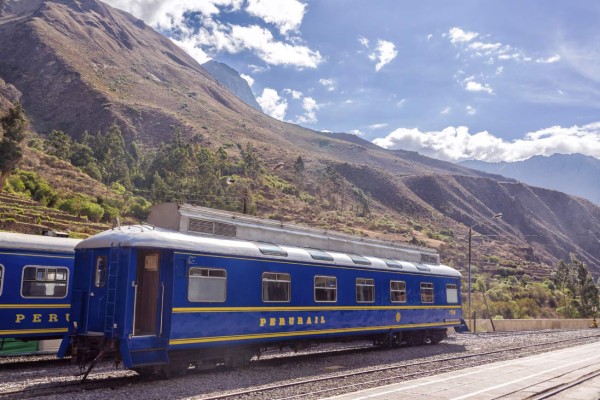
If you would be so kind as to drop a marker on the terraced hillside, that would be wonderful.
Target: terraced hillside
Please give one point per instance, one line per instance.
(18, 214)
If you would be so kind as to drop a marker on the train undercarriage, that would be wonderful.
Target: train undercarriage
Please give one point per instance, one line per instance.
(88, 350)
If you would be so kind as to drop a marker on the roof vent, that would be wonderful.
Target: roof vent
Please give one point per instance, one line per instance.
(211, 227)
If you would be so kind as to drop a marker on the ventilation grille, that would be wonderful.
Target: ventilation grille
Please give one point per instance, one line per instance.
(428, 258)
(212, 228)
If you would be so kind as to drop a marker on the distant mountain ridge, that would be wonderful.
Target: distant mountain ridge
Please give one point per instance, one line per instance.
(232, 80)
(574, 174)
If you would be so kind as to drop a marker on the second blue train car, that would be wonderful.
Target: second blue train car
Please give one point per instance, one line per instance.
(161, 300)
(35, 274)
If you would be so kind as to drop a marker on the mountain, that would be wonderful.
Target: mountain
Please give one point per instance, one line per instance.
(232, 80)
(81, 65)
(575, 174)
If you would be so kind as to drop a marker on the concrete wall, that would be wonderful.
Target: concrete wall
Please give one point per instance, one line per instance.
(485, 325)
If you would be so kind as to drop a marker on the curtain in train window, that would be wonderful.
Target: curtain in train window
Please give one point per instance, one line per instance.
(365, 290)
(326, 289)
(276, 287)
(398, 291)
(451, 293)
(1, 278)
(426, 292)
(41, 281)
(207, 285)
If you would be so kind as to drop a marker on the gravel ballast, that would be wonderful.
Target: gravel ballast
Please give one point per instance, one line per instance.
(279, 369)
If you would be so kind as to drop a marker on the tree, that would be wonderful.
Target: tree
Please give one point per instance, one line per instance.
(299, 172)
(582, 291)
(13, 127)
(59, 144)
(562, 277)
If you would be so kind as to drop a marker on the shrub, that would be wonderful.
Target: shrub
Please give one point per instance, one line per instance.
(110, 212)
(138, 207)
(92, 211)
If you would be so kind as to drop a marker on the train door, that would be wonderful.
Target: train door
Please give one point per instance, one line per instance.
(149, 298)
(97, 294)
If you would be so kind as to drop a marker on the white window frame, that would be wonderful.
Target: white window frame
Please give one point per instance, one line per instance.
(398, 290)
(325, 288)
(277, 279)
(190, 277)
(452, 293)
(427, 285)
(46, 267)
(365, 282)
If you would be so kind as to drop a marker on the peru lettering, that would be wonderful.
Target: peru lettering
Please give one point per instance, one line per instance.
(39, 318)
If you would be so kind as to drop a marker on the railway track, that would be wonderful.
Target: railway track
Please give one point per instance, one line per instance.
(305, 387)
(34, 361)
(449, 363)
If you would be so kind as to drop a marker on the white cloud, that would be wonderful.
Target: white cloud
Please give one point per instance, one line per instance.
(470, 110)
(364, 41)
(457, 35)
(190, 46)
(296, 95)
(208, 35)
(248, 79)
(328, 84)
(310, 106)
(499, 70)
(260, 41)
(377, 126)
(446, 110)
(356, 132)
(384, 53)
(491, 51)
(549, 60)
(456, 143)
(272, 104)
(401, 103)
(256, 69)
(472, 86)
(287, 15)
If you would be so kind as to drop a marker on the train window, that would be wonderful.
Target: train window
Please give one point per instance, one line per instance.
(100, 279)
(359, 259)
(326, 289)
(398, 291)
(426, 292)
(320, 255)
(365, 290)
(207, 285)
(452, 293)
(276, 287)
(270, 249)
(1, 278)
(40, 281)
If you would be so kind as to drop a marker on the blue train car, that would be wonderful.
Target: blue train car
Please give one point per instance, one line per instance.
(35, 275)
(158, 299)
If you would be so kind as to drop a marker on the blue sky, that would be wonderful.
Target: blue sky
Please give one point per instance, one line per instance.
(488, 80)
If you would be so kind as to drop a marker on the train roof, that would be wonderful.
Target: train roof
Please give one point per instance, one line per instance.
(22, 241)
(152, 237)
